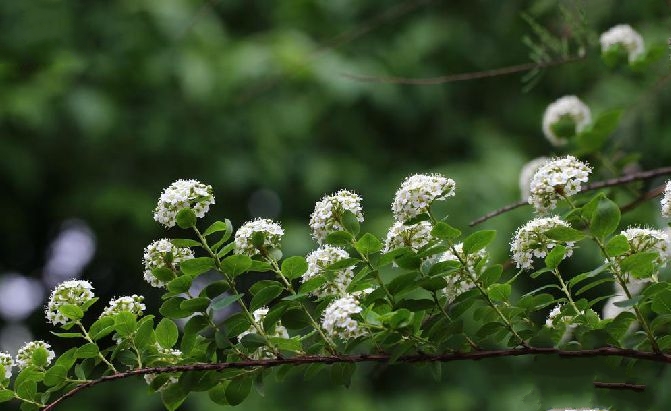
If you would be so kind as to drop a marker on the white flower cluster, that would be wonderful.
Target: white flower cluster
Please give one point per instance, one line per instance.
(165, 356)
(417, 192)
(318, 260)
(272, 236)
(163, 254)
(625, 36)
(666, 200)
(130, 304)
(557, 179)
(527, 174)
(280, 331)
(326, 217)
(414, 236)
(555, 317)
(459, 282)
(7, 363)
(645, 240)
(24, 358)
(180, 195)
(531, 241)
(337, 319)
(75, 292)
(567, 106)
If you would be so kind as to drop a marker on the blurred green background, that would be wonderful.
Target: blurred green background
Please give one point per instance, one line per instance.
(103, 104)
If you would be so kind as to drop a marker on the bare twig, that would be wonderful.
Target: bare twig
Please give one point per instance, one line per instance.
(381, 358)
(619, 386)
(449, 78)
(643, 175)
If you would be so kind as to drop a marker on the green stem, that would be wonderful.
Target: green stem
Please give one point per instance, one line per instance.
(331, 345)
(378, 278)
(87, 337)
(620, 278)
(39, 404)
(231, 284)
(564, 288)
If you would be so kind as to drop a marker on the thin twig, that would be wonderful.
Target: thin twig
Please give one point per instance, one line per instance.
(449, 78)
(380, 358)
(642, 175)
(619, 386)
(339, 40)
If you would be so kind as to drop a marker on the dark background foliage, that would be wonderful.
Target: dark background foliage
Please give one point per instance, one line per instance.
(103, 104)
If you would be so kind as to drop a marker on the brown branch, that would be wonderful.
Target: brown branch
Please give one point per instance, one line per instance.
(619, 386)
(381, 358)
(643, 175)
(449, 78)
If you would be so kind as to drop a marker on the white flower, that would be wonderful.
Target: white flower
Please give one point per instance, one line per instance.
(180, 195)
(163, 254)
(417, 192)
(319, 260)
(527, 174)
(644, 240)
(337, 319)
(7, 363)
(24, 357)
(326, 217)
(666, 200)
(131, 304)
(271, 231)
(530, 241)
(623, 35)
(74, 292)
(557, 179)
(460, 281)
(558, 317)
(280, 331)
(414, 236)
(567, 106)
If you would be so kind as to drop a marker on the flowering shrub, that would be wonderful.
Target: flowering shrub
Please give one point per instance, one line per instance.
(357, 297)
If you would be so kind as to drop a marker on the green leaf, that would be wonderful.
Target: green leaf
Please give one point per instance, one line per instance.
(444, 231)
(185, 242)
(593, 138)
(173, 396)
(40, 357)
(180, 284)
(640, 265)
(432, 283)
(216, 227)
(260, 266)
(294, 267)
(661, 302)
(368, 244)
(186, 218)
(491, 275)
(171, 308)
(221, 303)
(196, 266)
(344, 263)
(629, 303)
(238, 389)
(195, 305)
(617, 245)
(71, 311)
(605, 218)
(564, 234)
(217, 394)
(341, 238)
(236, 264)
(312, 284)
(350, 222)
(124, 323)
(402, 282)
(144, 335)
(163, 274)
(341, 373)
(499, 292)
(89, 350)
(555, 257)
(415, 304)
(68, 335)
(478, 240)
(166, 333)
(264, 296)
(6, 395)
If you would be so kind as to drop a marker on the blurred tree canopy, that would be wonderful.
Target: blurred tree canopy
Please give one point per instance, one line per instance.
(102, 104)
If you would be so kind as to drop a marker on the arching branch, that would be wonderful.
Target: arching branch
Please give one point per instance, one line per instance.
(380, 358)
(643, 175)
